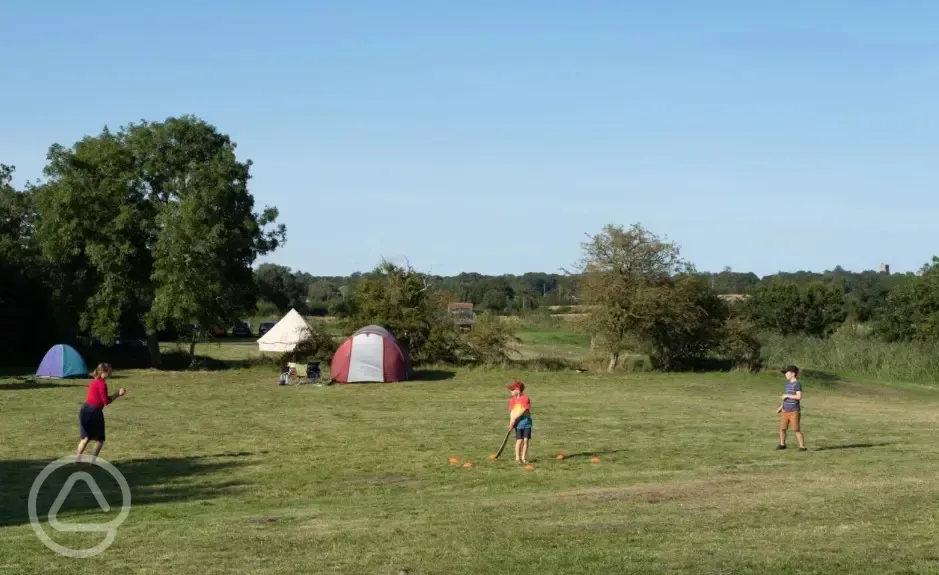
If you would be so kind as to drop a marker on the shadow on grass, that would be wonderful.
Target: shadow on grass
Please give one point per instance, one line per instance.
(177, 360)
(851, 446)
(432, 375)
(822, 377)
(151, 482)
(26, 383)
(593, 453)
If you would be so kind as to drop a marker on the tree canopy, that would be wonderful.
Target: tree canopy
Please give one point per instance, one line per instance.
(152, 226)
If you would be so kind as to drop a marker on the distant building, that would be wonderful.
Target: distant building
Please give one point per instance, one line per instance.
(885, 269)
(462, 313)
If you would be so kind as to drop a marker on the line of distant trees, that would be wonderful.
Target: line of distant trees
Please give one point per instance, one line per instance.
(642, 296)
(864, 293)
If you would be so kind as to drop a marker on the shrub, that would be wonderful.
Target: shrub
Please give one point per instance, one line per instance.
(491, 340)
(319, 346)
(741, 346)
(788, 308)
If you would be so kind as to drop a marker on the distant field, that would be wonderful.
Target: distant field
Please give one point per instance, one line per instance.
(231, 473)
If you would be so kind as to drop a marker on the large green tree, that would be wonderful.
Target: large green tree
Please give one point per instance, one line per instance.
(912, 309)
(816, 308)
(401, 300)
(27, 326)
(153, 226)
(618, 268)
(282, 287)
(645, 297)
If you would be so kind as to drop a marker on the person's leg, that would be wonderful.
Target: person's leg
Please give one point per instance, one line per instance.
(800, 437)
(783, 426)
(518, 451)
(96, 450)
(82, 434)
(526, 437)
(98, 435)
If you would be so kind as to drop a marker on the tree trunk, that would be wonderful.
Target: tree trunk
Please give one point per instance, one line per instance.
(614, 359)
(153, 346)
(192, 352)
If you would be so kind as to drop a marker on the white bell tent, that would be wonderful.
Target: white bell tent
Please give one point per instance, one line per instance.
(286, 334)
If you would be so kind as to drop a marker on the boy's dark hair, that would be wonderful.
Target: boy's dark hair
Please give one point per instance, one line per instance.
(516, 385)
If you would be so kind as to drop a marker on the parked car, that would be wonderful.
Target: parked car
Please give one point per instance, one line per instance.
(241, 329)
(266, 327)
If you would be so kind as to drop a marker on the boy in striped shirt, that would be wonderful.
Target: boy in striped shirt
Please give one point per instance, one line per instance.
(791, 409)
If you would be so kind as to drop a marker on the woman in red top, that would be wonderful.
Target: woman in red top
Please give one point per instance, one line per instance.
(91, 414)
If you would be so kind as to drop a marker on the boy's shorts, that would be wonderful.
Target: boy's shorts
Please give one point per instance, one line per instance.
(522, 433)
(787, 418)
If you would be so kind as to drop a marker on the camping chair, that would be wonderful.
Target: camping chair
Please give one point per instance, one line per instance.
(313, 372)
(284, 375)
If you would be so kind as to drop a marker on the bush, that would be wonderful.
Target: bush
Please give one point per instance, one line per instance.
(491, 340)
(680, 323)
(816, 308)
(319, 346)
(741, 346)
(851, 353)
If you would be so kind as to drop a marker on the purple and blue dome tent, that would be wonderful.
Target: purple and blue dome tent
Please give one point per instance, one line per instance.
(62, 362)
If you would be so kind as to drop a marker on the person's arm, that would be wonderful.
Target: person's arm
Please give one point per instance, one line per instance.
(797, 395)
(102, 393)
(109, 399)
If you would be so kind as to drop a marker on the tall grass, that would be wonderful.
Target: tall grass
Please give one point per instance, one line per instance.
(854, 353)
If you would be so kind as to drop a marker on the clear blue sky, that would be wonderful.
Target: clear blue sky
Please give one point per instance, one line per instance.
(490, 136)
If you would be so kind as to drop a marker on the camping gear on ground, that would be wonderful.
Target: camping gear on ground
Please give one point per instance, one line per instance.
(286, 334)
(371, 354)
(62, 362)
(297, 374)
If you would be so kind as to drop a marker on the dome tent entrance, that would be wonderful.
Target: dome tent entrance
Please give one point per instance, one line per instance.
(371, 354)
(286, 334)
(62, 362)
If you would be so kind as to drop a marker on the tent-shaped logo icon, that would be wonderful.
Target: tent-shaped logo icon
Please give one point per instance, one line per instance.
(63, 495)
(110, 528)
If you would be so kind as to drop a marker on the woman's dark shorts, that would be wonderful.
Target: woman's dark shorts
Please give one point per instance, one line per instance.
(91, 423)
(523, 433)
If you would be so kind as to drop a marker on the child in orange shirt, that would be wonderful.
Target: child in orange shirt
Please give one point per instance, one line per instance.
(520, 420)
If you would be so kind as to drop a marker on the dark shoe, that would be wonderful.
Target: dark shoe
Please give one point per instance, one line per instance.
(780, 447)
(803, 449)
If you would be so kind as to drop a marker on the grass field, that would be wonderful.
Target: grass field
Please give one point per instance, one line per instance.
(230, 473)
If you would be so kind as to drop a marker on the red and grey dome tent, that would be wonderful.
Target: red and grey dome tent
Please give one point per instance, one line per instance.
(371, 354)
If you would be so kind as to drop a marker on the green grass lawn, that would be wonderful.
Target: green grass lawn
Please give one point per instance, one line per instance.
(230, 473)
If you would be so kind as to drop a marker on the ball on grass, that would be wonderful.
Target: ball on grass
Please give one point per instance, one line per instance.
(595, 460)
